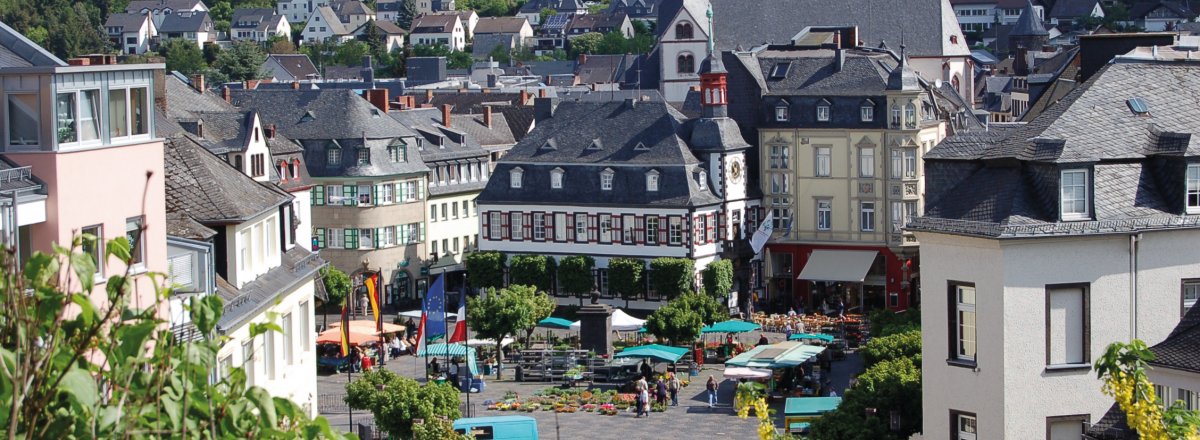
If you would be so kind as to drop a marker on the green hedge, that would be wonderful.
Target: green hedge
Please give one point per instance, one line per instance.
(900, 345)
(672, 277)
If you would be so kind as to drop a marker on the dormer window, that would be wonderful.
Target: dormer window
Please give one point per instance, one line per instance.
(514, 178)
(398, 151)
(606, 179)
(596, 145)
(702, 179)
(823, 111)
(556, 178)
(363, 157)
(1193, 188)
(867, 111)
(333, 154)
(1075, 195)
(652, 181)
(781, 112)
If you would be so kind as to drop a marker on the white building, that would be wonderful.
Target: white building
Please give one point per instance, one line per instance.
(1042, 244)
(980, 15)
(444, 29)
(324, 24)
(130, 33)
(298, 11)
(161, 9)
(259, 24)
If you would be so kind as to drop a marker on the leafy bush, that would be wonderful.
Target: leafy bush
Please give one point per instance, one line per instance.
(486, 269)
(575, 274)
(907, 344)
(890, 385)
(672, 277)
(675, 323)
(532, 270)
(396, 401)
(886, 322)
(625, 277)
(718, 278)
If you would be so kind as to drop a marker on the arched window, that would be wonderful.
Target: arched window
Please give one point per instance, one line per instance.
(910, 115)
(294, 170)
(283, 170)
(683, 31)
(686, 63)
(955, 82)
(945, 71)
(895, 115)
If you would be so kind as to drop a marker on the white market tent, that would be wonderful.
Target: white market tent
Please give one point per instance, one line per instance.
(621, 322)
(416, 314)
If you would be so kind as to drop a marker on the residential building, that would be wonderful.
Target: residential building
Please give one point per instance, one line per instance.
(532, 10)
(1159, 15)
(298, 11)
(936, 47)
(443, 29)
(598, 70)
(259, 24)
(261, 274)
(159, 10)
(431, 6)
(67, 123)
(1053, 240)
(290, 67)
(191, 26)
(393, 36)
(324, 25)
(469, 20)
(517, 27)
(841, 132)
(628, 178)
(352, 13)
(368, 202)
(602, 23)
(1067, 11)
(131, 33)
(644, 10)
(979, 15)
(485, 46)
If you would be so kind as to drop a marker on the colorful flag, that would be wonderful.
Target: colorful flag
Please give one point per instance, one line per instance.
(345, 327)
(433, 313)
(372, 283)
(460, 327)
(762, 234)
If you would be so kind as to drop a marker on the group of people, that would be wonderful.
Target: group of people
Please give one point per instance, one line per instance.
(451, 372)
(663, 389)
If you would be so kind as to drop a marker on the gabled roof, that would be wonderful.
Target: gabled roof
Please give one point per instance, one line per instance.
(434, 23)
(332, 114)
(152, 5)
(500, 25)
(210, 190)
(924, 25)
(387, 27)
(182, 225)
(441, 142)
(18, 51)
(1029, 24)
(483, 44)
(604, 69)
(250, 17)
(813, 72)
(1072, 8)
(350, 7)
(128, 22)
(331, 20)
(1142, 9)
(533, 6)
(1181, 350)
(194, 22)
(297, 65)
(297, 265)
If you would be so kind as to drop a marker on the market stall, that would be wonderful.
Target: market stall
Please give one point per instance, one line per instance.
(621, 322)
(792, 366)
(800, 412)
(817, 337)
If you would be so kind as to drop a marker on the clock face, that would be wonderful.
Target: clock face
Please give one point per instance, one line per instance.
(735, 170)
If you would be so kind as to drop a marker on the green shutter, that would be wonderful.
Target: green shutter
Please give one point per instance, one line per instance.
(378, 233)
(422, 233)
(319, 237)
(318, 195)
(421, 189)
(348, 195)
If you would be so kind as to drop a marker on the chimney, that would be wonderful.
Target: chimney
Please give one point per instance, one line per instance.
(487, 116)
(225, 93)
(631, 102)
(368, 71)
(252, 84)
(270, 129)
(582, 58)
(541, 93)
(486, 90)
(79, 61)
(446, 115)
(295, 85)
(198, 82)
(524, 97)
(840, 56)
(492, 80)
(412, 101)
(378, 98)
(837, 39)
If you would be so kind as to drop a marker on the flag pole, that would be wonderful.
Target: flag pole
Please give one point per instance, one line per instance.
(379, 319)
(462, 296)
(445, 338)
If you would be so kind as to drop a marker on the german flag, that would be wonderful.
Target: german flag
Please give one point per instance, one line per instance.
(344, 330)
(372, 283)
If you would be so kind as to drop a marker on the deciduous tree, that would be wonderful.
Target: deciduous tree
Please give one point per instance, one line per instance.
(718, 278)
(508, 311)
(183, 56)
(532, 270)
(675, 323)
(575, 275)
(672, 277)
(486, 269)
(397, 401)
(625, 277)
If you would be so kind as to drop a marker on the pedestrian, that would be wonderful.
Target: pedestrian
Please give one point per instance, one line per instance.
(711, 386)
(433, 367)
(841, 308)
(787, 330)
(791, 311)
(454, 371)
(642, 396)
(673, 388)
(410, 328)
(647, 370)
(644, 402)
(660, 392)
(355, 359)
(762, 339)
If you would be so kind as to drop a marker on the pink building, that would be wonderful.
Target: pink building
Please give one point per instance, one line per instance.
(85, 131)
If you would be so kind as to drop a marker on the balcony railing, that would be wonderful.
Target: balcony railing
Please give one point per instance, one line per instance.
(15, 174)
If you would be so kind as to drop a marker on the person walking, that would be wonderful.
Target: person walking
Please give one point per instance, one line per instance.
(673, 388)
(643, 397)
(454, 372)
(660, 392)
(841, 308)
(711, 386)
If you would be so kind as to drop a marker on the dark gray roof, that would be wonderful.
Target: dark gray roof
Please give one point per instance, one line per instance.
(298, 65)
(815, 72)
(298, 265)
(924, 25)
(320, 114)
(604, 69)
(440, 142)
(194, 22)
(1112, 426)
(472, 101)
(182, 225)
(973, 145)
(499, 135)
(519, 120)
(210, 190)
(715, 134)
(533, 6)
(1029, 23)
(1141, 9)
(1072, 8)
(251, 18)
(1007, 185)
(434, 23)
(500, 25)
(903, 77)
(1181, 350)
(18, 51)
(128, 22)
(175, 5)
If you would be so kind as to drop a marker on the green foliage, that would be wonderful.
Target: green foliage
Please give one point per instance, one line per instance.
(671, 277)
(437, 429)
(1123, 369)
(891, 385)
(65, 28)
(183, 56)
(509, 311)
(337, 284)
(151, 385)
(489, 8)
(625, 277)
(350, 53)
(545, 13)
(718, 278)
(675, 323)
(242, 61)
(406, 14)
(532, 270)
(396, 401)
(710, 309)
(485, 269)
(454, 59)
(575, 274)
(886, 322)
(501, 54)
(890, 347)
(588, 43)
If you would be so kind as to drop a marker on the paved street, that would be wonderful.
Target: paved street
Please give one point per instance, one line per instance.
(691, 419)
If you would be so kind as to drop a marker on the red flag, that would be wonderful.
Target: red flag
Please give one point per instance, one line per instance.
(421, 335)
(345, 327)
(460, 327)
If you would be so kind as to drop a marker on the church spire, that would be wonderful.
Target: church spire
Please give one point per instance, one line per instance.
(710, 30)
(712, 78)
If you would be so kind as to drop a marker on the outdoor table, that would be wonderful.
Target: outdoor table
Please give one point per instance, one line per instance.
(807, 409)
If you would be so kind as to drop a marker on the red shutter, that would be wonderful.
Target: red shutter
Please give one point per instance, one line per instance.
(593, 228)
(571, 227)
(528, 225)
(504, 222)
(721, 226)
(711, 223)
(639, 229)
(550, 232)
(618, 228)
(664, 229)
(484, 218)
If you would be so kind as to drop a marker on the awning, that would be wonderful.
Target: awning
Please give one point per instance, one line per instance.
(664, 353)
(810, 406)
(779, 355)
(815, 336)
(829, 265)
(734, 373)
(457, 350)
(731, 326)
(553, 322)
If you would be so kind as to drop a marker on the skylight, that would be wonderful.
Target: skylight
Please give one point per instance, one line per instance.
(1138, 105)
(780, 70)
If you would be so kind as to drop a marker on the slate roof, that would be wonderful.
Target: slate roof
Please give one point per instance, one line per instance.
(296, 65)
(1009, 188)
(331, 20)
(182, 225)
(251, 18)
(1029, 23)
(596, 22)
(635, 8)
(533, 6)
(519, 120)
(1112, 426)
(500, 25)
(388, 28)
(1141, 9)
(194, 22)
(441, 142)
(604, 69)
(128, 22)
(175, 5)
(298, 265)
(434, 23)
(924, 25)
(1067, 9)
(814, 72)
(470, 102)
(1181, 350)
(210, 190)
(18, 51)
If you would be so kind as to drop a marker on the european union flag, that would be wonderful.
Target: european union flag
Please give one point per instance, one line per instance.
(434, 309)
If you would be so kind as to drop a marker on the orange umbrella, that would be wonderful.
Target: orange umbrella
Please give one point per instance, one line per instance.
(333, 336)
(366, 326)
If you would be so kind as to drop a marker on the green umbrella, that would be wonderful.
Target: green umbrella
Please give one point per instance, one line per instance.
(817, 336)
(731, 327)
(553, 322)
(663, 353)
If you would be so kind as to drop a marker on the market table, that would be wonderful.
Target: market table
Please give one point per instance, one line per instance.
(799, 410)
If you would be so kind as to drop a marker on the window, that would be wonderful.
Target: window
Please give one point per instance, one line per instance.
(454, 209)
(702, 179)
(866, 162)
(675, 230)
(652, 181)
(556, 179)
(605, 228)
(580, 227)
(94, 247)
(23, 119)
(335, 238)
(781, 112)
(962, 426)
(962, 303)
(248, 361)
(363, 157)
(780, 183)
(1066, 427)
(651, 230)
(444, 213)
(824, 161)
(333, 156)
(904, 163)
(398, 152)
(366, 239)
(1067, 325)
(514, 178)
(781, 213)
(824, 215)
(781, 157)
(683, 31)
(364, 194)
(866, 216)
(258, 165)
(867, 112)
(288, 342)
(560, 226)
(539, 226)
(137, 246)
(269, 353)
(1074, 195)
(434, 248)
(910, 115)
(606, 180)
(518, 226)
(686, 63)
(1193, 188)
(433, 213)
(895, 116)
(823, 111)
(387, 194)
(1191, 293)
(67, 122)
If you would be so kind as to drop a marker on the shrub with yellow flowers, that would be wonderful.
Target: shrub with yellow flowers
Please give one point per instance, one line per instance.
(1123, 369)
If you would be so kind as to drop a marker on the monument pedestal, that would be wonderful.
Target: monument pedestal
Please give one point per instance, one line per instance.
(595, 328)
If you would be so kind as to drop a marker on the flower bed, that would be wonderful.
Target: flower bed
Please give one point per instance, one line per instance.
(566, 401)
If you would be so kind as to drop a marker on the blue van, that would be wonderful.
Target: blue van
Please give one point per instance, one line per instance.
(498, 428)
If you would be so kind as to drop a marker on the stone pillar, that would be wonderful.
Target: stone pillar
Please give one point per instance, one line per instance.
(595, 328)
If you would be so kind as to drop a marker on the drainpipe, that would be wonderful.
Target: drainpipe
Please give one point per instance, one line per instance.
(1134, 241)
